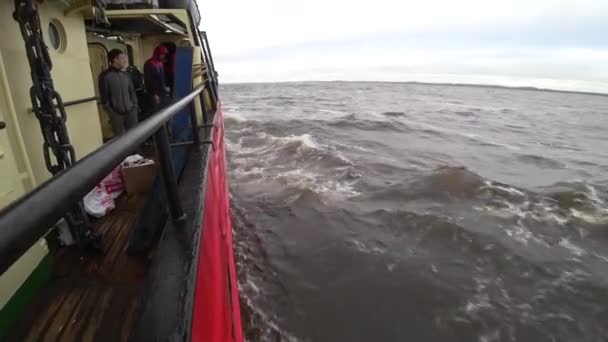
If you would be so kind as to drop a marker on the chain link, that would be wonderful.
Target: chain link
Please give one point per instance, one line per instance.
(46, 102)
(48, 107)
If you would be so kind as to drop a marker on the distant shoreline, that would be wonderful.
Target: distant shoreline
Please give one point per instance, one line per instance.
(493, 86)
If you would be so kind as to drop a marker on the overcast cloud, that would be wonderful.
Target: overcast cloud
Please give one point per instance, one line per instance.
(560, 44)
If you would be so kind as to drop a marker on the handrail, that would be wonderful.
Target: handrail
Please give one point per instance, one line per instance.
(26, 220)
(73, 102)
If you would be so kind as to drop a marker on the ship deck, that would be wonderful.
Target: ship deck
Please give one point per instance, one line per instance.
(116, 297)
(91, 297)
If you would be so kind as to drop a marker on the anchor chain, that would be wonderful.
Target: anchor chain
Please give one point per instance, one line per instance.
(48, 107)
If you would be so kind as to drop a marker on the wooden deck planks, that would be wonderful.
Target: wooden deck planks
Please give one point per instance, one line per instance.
(91, 298)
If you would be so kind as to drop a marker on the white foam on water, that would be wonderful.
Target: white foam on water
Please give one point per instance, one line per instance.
(539, 212)
(349, 146)
(598, 217)
(480, 300)
(593, 196)
(244, 172)
(490, 336)
(345, 189)
(470, 135)
(559, 316)
(599, 213)
(570, 277)
(519, 234)
(363, 248)
(502, 189)
(250, 284)
(304, 141)
(234, 115)
(230, 107)
(317, 183)
(601, 257)
(330, 111)
(544, 209)
(574, 249)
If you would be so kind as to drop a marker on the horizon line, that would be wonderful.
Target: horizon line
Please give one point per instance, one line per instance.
(476, 85)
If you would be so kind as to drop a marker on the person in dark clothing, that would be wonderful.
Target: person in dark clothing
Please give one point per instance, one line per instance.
(170, 64)
(140, 90)
(154, 77)
(117, 93)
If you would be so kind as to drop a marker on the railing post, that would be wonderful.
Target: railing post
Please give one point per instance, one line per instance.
(209, 85)
(212, 66)
(194, 125)
(203, 107)
(212, 79)
(168, 173)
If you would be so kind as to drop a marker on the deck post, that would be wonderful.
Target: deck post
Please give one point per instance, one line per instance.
(168, 174)
(204, 108)
(194, 125)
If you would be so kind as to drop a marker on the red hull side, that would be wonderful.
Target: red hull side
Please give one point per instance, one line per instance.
(217, 315)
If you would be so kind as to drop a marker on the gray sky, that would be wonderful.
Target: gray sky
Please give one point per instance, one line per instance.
(561, 44)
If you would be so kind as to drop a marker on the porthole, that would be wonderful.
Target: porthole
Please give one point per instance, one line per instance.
(57, 36)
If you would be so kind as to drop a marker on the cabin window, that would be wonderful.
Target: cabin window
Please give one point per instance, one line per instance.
(57, 36)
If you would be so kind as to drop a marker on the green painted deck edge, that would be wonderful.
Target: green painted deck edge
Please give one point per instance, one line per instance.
(15, 306)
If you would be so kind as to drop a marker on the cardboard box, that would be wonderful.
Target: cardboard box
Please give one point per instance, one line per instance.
(139, 177)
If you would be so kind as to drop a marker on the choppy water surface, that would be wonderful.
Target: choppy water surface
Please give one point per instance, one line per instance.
(401, 212)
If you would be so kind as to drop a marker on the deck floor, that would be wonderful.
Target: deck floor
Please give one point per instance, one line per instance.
(91, 298)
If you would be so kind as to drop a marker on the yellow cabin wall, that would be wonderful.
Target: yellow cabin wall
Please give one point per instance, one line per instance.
(71, 74)
(136, 46)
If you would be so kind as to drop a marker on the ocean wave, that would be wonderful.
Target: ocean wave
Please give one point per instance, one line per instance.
(561, 204)
(366, 248)
(233, 117)
(465, 113)
(428, 232)
(331, 111)
(393, 114)
(302, 142)
(522, 214)
(305, 181)
(541, 161)
(501, 302)
(264, 144)
(299, 164)
(490, 251)
(445, 183)
(367, 125)
(277, 151)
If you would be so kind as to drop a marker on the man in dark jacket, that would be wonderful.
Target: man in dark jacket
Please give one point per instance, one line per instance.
(117, 93)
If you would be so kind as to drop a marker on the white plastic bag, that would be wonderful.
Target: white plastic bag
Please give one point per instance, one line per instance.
(98, 202)
(132, 160)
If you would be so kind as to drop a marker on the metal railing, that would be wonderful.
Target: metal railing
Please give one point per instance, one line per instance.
(28, 219)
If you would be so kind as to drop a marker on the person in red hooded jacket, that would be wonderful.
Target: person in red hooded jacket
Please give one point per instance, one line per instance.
(154, 78)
